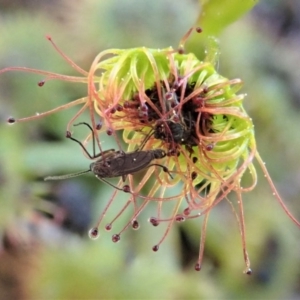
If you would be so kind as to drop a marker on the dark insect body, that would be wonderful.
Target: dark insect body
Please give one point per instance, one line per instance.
(174, 132)
(114, 163)
(175, 128)
(118, 163)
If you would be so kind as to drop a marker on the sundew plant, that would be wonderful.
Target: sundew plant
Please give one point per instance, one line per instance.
(166, 100)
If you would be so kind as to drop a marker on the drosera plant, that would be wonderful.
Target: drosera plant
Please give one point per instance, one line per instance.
(170, 100)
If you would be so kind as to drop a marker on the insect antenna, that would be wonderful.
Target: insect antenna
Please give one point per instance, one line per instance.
(145, 140)
(60, 177)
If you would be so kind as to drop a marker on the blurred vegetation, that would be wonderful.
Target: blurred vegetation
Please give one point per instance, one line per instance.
(49, 256)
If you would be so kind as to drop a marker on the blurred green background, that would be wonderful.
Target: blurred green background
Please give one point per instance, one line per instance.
(49, 256)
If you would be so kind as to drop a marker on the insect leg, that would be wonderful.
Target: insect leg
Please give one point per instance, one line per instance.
(145, 140)
(165, 169)
(112, 185)
(94, 149)
(84, 148)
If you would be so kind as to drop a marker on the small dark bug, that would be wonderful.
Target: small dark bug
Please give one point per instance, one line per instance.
(119, 163)
(175, 132)
(177, 127)
(170, 131)
(114, 163)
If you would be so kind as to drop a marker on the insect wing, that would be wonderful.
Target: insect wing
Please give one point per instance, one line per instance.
(131, 162)
(102, 167)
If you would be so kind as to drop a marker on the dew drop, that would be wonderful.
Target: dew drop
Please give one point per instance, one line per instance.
(109, 131)
(197, 267)
(11, 120)
(98, 126)
(113, 110)
(119, 107)
(135, 224)
(154, 221)
(94, 233)
(179, 218)
(248, 271)
(199, 29)
(187, 211)
(181, 50)
(116, 238)
(155, 248)
(41, 83)
(209, 147)
(108, 227)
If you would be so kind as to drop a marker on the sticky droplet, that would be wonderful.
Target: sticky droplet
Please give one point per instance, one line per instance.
(11, 120)
(116, 238)
(94, 233)
(155, 248)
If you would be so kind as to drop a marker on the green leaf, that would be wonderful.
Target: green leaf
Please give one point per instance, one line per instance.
(215, 15)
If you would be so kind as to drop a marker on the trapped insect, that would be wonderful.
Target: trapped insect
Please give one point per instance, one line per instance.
(114, 163)
(170, 131)
(176, 125)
